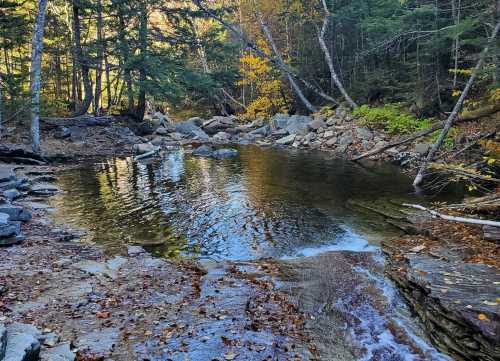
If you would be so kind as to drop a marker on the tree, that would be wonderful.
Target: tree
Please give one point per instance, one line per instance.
(36, 63)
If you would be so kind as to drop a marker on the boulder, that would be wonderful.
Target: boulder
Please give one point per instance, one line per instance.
(332, 121)
(11, 194)
(279, 133)
(188, 126)
(203, 151)
(364, 133)
(298, 124)
(176, 136)
(328, 134)
(289, 139)
(317, 123)
(200, 134)
(222, 137)
(345, 140)
(158, 141)
(135, 250)
(143, 128)
(225, 153)
(218, 124)
(22, 342)
(144, 148)
(10, 229)
(162, 131)
(279, 121)
(6, 173)
(15, 213)
(331, 142)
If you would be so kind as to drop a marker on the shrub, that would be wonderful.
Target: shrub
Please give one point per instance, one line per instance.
(391, 118)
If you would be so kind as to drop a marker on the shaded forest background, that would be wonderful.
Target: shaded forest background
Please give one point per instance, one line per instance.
(194, 58)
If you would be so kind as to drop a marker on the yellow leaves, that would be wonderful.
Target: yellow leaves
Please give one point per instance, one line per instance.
(456, 93)
(482, 317)
(494, 95)
(466, 72)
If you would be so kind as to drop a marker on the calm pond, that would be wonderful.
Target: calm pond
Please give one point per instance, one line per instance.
(267, 203)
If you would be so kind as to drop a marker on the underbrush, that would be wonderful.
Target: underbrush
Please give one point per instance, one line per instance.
(391, 118)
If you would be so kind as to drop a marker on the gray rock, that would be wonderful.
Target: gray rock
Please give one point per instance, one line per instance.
(332, 121)
(189, 126)
(328, 134)
(49, 339)
(341, 113)
(4, 219)
(364, 133)
(62, 133)
(6, 173)
(61, 352)
(279, 121)
(222, 137)
(422, 148)
(12, 194)
(144, 148)
(176, 136)
(345, 140)
(298, 124)
(90, 266)
(10, 229)
(162, 131)
(289, 139)
(5, 242)
(135, 250)
(218, 124)
(225, 153)
(157, 141)
(3, 340)
(264, 130)
(331, 142)
(200, 134)
(22, 343)
(16, 213)
(203, 151)
(317, 123)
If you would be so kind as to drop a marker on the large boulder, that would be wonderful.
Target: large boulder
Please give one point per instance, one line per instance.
(15, 213)
(279, 121)
(298, 124)
(264, 130)
(317, 123)
(22, 342)
(222, 137)
(144, 148)
(191, 127)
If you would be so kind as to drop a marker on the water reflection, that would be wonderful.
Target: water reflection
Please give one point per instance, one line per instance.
(263, 203)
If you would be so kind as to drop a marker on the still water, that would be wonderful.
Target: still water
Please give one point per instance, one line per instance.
(262, 203)
(267, 203)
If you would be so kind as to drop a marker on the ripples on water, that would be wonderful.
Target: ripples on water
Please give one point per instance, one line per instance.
(263, 203)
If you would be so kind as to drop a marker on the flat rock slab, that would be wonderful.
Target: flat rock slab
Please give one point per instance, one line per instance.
(43, 189)
(15, 213)
(22, 342)
(99, 341)
(457, 301)
(60, 352)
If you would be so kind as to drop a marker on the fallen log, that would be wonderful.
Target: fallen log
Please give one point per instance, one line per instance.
(402, 140)
(436, 214)
(85, 120)
(148, 154)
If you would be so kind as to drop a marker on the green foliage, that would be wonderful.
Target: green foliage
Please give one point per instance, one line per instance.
(390, 118)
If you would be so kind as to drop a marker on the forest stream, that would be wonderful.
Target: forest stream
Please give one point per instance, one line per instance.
(299, 210)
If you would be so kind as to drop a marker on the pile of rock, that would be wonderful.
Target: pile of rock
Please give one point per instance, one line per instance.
(24, 342)
(13, 189)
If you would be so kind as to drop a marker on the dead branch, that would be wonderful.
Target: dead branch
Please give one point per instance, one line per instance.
(453, 218)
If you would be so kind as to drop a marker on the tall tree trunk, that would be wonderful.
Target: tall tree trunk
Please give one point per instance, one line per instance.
(36, 64)
(458, 106)
(1, 108)
(124, 50)
(279, 58)
(100, 59)
(82, 62)
(143, 45)
(108, 83)
(328, 58)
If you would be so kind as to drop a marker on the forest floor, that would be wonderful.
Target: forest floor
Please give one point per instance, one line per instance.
(115, 306)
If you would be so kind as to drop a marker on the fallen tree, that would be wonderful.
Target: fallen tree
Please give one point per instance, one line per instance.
(436, 214)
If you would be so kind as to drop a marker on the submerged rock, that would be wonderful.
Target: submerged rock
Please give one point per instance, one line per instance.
(203, 151)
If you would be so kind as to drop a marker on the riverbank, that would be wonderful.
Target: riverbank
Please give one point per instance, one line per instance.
(132, 288)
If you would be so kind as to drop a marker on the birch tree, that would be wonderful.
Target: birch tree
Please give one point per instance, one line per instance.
(36, 63)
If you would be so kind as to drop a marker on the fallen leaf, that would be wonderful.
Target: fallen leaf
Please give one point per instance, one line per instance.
(482, 317)
(103, 314)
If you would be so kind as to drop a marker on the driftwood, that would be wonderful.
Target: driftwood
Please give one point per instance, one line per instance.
(148, 154)
(402, 140)
(453, 218)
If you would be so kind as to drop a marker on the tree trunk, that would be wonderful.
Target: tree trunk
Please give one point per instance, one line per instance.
(124, 50)
(143, 45)
(36, 64)
(83, 64)
(108, 83)
(449, 122)
(1, 108)
(279, 58)
(328, 58)
(100, 59)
